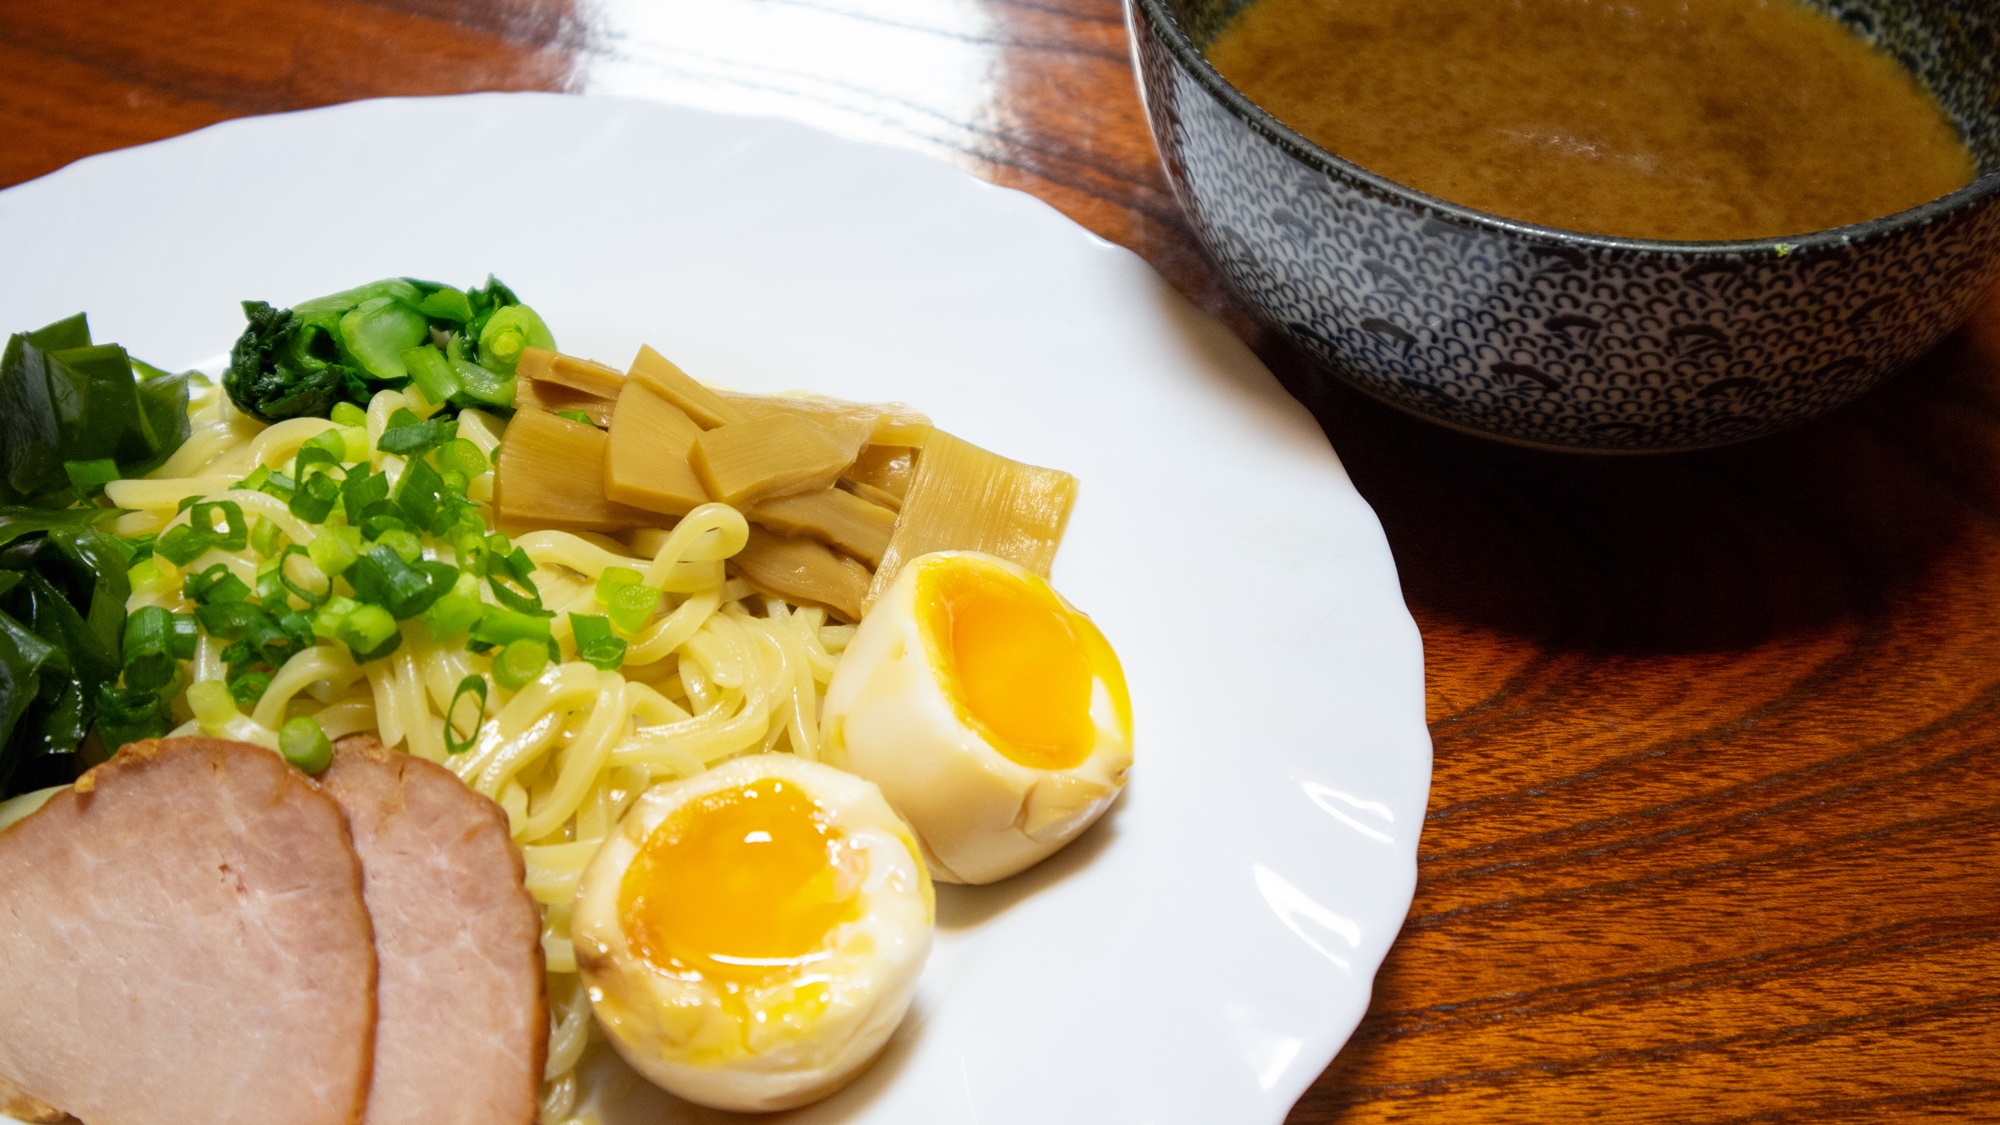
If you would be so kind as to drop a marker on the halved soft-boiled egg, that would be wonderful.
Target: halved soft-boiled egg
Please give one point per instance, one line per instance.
(752, 935)
(993, 715)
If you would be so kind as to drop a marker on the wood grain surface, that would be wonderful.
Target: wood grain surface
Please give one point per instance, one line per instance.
(1715, 830)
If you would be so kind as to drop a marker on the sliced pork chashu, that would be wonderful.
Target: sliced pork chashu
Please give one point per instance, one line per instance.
(183, 941)
(463, 1029)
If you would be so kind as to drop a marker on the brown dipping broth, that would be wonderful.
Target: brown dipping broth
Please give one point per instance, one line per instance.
(1663, 119)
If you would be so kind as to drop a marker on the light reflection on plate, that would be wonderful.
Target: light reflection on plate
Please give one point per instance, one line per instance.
(1199, 955)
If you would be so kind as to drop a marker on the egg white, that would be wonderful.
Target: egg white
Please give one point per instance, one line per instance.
(980, 815)
(678, 1033)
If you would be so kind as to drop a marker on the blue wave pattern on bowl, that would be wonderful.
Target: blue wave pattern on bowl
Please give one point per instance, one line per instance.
(1552, 338)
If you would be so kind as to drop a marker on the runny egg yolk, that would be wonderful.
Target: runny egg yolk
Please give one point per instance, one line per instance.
(1016, 663)
(737, 884)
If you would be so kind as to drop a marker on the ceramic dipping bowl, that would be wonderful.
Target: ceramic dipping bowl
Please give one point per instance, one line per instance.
(1552, 338)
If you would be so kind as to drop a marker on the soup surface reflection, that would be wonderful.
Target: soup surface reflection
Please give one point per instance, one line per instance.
(1669, 119)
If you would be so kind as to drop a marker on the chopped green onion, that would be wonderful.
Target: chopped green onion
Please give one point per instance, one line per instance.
(360, 489)
(182, 644)
(180, 545)
(271, 641)
(421, 495)
(519, 663)
(212, 705)
(149, 645)
(348, 414)
(381, 517)
(326, 621)
(594, 643)
(152, 575)
(305, 592)
(499, 626)
(334, 549)
(354, 447)
(280, 485)
(454, 614)
(576, 416)
(460, 455)
(412, 437)
(614, 577)
(135, 548)
(474, 685)
(88, 478)
(326, 446)
(382, 578)
(314, 497)
(215, 586)
(369, 632)
(266, 538)
(530, 602)
(631, 607)
(270, 587)
(404, 542)
(305, 745)
(255, 482)
(185, 503)
(519, 565)
(249, 687)
(234, 532)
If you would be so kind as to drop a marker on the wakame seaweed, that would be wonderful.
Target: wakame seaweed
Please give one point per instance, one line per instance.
(63, 587)
(68, 406)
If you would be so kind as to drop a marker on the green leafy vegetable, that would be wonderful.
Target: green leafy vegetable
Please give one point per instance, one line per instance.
(459, 346)
(68, 405)
(63, 586)
(284, 366)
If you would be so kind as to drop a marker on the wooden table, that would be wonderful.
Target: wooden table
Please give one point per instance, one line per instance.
(1715, 832)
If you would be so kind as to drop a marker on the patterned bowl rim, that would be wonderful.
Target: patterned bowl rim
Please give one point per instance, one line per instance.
(1165, 28)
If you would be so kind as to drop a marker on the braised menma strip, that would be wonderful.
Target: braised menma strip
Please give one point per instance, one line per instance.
(585, 376)
(963, 498)
(647, 463)
(882, 423)
(777, 455)
(551, 475)
(668, 381)
(885, 467)
(800, 570)
(839, 519)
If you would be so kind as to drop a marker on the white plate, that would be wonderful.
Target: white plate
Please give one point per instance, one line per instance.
(1200, 955)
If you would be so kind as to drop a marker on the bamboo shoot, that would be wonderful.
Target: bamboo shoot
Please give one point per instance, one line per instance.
(584, 375)
(551, 475)
(800, 570)
(554, 398)
(963, 498)
(742, 463)
(676, 386)
(887, 467)
(883, 423)
(838, 519)
(647, 462)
